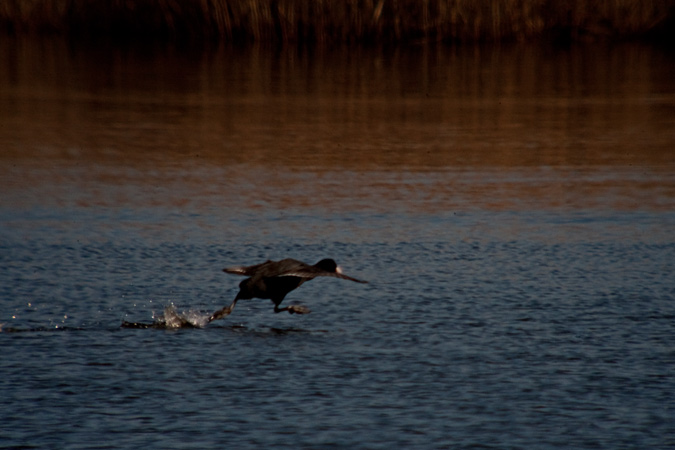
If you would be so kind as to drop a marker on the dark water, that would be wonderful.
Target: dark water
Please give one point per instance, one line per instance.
(513, 210)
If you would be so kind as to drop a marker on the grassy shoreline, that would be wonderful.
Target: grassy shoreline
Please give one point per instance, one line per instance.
(342, 21)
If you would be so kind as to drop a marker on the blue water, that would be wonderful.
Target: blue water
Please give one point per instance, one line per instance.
(472, 336)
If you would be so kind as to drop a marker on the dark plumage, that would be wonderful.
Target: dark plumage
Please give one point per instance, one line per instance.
(275, 279)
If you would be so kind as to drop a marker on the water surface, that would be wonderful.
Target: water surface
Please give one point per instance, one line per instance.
(512, 209)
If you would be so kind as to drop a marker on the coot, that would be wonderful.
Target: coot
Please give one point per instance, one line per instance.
(275, 279)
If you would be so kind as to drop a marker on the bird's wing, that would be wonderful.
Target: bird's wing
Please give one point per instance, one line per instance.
(285, 268)
(312, 272)
(247, 271)
(269, 269)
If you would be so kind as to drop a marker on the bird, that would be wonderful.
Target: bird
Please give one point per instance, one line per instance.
(275, 279)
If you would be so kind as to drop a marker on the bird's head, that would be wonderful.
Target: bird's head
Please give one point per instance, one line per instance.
(328, 265)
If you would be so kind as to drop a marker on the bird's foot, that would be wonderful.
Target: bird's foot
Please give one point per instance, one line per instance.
(298, 309)
(221, 313)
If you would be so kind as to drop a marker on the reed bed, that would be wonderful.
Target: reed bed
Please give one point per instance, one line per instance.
(333, 21)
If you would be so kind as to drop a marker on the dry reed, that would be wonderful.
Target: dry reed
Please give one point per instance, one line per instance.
(331, 21)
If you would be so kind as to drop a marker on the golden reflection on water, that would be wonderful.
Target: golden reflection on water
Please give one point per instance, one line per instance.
(420, 129)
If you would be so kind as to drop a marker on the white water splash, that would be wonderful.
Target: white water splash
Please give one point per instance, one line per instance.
(171, 318)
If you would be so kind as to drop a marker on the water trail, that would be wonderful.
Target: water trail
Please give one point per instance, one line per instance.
(190, 318)
(172, 319)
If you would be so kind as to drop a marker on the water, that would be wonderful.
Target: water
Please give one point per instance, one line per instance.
(511, 208)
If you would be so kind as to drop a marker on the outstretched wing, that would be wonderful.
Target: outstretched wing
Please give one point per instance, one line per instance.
(285, 268)
(247, 271)
(307, 271)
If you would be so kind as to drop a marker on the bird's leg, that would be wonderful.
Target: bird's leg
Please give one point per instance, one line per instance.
(293, 309)
(223, 312)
